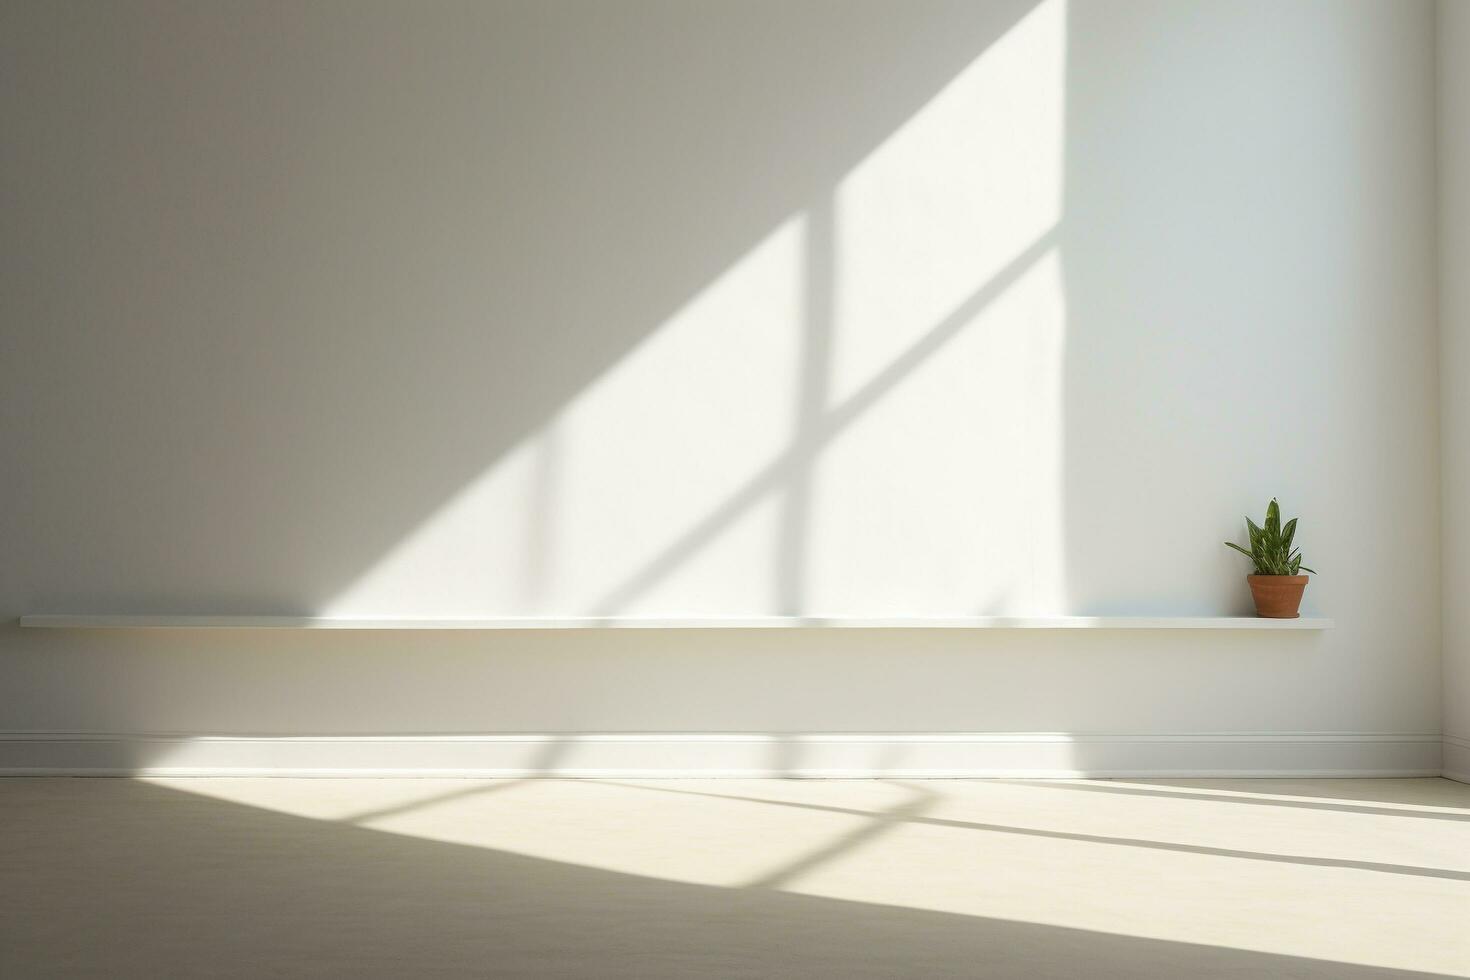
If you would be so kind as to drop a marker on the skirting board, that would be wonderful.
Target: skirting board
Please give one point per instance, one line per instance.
(652, 755)
(1457, 758)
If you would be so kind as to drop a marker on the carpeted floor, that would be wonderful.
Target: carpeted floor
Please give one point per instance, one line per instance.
(734, 878)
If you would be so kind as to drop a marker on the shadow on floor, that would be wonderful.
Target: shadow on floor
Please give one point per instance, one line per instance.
(913, 813)
(128, 879)
(1404, 794)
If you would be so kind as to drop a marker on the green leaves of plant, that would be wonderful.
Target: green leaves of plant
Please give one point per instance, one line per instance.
(1270, 546)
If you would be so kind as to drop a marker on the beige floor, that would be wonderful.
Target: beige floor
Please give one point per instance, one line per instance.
(760, 878)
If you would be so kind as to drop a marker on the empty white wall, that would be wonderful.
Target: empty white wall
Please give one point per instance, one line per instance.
(710, 308)
(1454, 190)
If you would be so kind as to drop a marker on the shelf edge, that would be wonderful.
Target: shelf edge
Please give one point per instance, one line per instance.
(82, 621)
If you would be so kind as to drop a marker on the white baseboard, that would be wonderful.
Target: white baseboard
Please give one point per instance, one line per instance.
(1456, 763)
(812, 755)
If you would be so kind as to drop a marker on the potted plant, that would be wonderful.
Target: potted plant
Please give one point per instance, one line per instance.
(1277, 584)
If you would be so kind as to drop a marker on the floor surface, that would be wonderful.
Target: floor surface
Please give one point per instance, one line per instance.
(427, 878)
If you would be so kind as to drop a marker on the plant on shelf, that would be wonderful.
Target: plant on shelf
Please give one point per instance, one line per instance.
(1277, 584)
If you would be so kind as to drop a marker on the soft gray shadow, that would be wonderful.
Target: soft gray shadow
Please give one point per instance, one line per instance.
(127, 879)
(912, 812)
(1433, 795)
(786, 754)
(1422, 791)
(540, 531)
(813, 378)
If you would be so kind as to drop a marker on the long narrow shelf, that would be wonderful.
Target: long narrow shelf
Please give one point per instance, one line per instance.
(687, 623)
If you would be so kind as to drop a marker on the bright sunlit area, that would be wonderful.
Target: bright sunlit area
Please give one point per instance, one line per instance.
(735, 488)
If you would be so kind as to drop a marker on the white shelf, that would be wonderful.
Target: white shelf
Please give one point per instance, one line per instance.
(689, 623)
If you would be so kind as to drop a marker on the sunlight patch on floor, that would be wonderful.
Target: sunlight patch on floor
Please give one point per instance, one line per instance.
(1375, 872)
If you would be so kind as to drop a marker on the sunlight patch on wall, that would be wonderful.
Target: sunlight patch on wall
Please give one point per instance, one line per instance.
(970, 182)
(861, 415)
(948, 492)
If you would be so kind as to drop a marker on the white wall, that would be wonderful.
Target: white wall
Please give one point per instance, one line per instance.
(1454, 367)
(699, 308)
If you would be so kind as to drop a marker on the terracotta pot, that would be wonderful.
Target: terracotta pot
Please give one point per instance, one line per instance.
(1277, 596)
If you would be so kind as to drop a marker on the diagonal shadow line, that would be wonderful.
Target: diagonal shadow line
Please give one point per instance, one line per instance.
(813, 381)
(879, 824)
(823, 430)
(427, 801)
(540, 526)
(540, 766)
(1152, 845)
(1380, 811)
